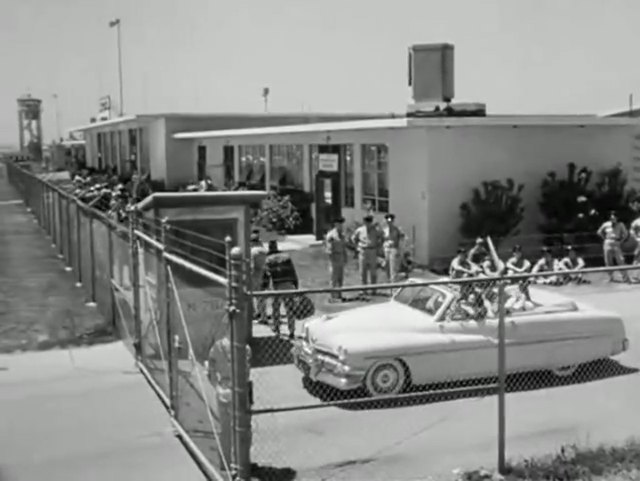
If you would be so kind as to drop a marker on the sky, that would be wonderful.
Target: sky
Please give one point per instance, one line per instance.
(517, 56)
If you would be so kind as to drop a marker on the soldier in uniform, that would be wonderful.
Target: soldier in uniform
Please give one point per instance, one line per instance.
(258, 257)
(366, 238)
(336, 246)
(392, 236)
(282, 275)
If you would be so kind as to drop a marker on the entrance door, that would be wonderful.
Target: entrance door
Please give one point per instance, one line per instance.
(327, 188)
(202, 162)
(228, 165)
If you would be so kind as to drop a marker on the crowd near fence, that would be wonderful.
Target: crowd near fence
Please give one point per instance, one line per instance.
(242, 389)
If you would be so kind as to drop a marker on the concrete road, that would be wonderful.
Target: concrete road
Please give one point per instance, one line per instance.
(403, 443)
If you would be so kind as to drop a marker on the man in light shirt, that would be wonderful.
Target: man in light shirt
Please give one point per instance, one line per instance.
(367, 240)
(392, 237)
(572, 262)
(613, 234)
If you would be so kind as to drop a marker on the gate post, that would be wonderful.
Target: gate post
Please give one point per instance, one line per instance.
(172, 337)
(502, 378)
(112, 297)
(78, 234)
(135, 283)
(240, 357)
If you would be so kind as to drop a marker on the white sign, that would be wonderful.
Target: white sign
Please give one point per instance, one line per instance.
(328, 162)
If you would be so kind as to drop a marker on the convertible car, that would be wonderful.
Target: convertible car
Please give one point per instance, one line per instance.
(429, 334)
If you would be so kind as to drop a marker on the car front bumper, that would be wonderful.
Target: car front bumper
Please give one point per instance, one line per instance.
(324, 369)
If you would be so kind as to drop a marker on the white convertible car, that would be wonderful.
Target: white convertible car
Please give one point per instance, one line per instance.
(427, 334)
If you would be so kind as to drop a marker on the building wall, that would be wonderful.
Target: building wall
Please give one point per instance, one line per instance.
(155, 146)
(462, 157)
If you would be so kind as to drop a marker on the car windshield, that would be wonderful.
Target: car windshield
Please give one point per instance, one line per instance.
(424, 298)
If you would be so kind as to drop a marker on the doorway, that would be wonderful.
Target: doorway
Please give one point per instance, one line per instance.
(228, 165)
(328, 202)
(202, 162)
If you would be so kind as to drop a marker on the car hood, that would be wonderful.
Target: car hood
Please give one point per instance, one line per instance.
(379, 320)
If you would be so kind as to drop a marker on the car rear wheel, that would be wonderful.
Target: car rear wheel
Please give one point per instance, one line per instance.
(565, 371)
(385, 378)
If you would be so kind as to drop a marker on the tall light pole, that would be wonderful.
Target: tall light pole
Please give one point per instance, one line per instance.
(57, 107)
(116, 23)
(265, 96)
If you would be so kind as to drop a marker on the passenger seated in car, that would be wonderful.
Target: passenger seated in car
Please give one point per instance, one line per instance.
(547, 263)
(572, 262)
(475, 306)
(478, 253)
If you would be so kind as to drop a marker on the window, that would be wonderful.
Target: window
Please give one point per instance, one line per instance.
(227, 164)
(375, 177)
(252, 166)
(286, 166)
(347, 176)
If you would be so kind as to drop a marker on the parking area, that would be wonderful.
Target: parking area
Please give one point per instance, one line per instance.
(435, 435)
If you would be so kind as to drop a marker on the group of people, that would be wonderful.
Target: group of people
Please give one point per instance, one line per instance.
(375, 246)
(478, 262)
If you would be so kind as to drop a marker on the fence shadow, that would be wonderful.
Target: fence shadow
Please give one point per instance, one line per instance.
(443, 392)
(271, 473)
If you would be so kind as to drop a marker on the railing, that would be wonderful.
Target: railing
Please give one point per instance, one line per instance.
(175, 315)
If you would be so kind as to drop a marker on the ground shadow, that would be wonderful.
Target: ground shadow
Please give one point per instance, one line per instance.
(442, 392)
(100, 335)
(271, 473)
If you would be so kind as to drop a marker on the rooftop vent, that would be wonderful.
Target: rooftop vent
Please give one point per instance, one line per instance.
(431, 72)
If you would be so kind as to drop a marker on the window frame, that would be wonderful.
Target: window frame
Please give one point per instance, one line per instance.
(376, 201)
(255, 151)
(291, 158)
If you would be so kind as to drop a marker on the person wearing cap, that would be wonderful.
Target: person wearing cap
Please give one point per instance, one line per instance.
(547, 263)
(392, 237)
(366, 238)
(258, 258)
(572, 262)
(517, 263)
(613, 234)
(336, 248)
(281, 274)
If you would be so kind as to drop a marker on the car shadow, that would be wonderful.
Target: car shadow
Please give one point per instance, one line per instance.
(271, 473)
(451, 391)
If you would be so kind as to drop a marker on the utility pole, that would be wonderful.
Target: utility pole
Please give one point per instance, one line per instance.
(57, 112)
(265, 97)
(116, 23)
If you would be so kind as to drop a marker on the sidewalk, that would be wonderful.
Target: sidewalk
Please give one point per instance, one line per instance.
(69, 414)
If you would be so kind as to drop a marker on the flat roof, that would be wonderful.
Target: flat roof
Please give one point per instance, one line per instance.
(413, 122)
(247, 115)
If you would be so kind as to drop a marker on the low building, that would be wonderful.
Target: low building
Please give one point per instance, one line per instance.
(421, 169)
(146, 141)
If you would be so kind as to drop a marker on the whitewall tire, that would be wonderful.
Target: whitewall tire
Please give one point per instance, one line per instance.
(385, 378)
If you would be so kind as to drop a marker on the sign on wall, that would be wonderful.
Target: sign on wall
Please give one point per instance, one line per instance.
(328, 162)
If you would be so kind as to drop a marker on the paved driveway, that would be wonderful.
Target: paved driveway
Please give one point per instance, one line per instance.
(404, 442)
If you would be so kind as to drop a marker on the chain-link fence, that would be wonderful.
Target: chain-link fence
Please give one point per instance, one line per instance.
(167, 292)
(427, 376)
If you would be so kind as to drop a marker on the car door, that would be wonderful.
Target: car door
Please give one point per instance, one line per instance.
(474, 345)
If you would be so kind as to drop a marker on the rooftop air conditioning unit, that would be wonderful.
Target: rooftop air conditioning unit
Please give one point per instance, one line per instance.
(431, 73)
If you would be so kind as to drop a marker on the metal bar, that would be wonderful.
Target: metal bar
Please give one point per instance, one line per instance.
(112, 297)
(92, 258)
(443, 281)
(149, 240)
(489, 389)
(231, 313)
(502, 380)
(78, 243)
(54, 217)
(67, 206)
(197, 269)
(135, 283)
(242, 412)
(173, 339)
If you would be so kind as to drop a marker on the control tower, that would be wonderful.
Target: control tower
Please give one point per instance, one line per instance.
(30, 126)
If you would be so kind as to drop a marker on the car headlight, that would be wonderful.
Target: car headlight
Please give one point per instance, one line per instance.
(342, 353)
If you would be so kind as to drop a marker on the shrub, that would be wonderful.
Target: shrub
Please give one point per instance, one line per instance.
(277, 214)
(495, 209)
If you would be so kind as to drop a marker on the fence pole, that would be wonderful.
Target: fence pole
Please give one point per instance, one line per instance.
(112, 297)
(135, 283)
(92, 258)
(50, 211)
(54, 218)
(67, 206)
(78, 234)
(240, 367)
(502, 379)
(173, 339)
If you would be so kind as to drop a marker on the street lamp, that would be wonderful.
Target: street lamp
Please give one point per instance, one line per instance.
(116, 23)
(265, 96)
(57, 107)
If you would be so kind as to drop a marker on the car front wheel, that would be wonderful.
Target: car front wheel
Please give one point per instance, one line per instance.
(385, 378)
